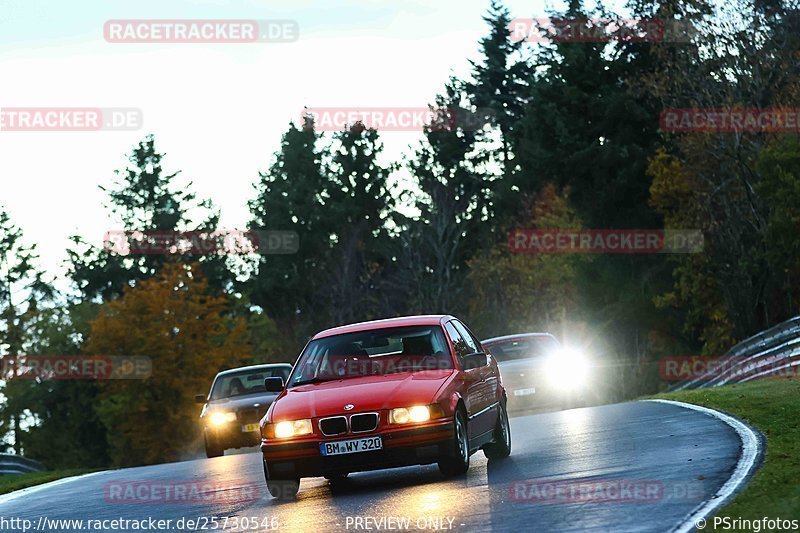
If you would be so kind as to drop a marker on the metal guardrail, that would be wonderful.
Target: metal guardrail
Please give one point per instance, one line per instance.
(16, 464)
(769, 352)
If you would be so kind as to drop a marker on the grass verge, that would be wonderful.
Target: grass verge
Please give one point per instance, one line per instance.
(772, 406)
(12, 482)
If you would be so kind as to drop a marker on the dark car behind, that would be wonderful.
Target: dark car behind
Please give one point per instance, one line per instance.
(235, 404)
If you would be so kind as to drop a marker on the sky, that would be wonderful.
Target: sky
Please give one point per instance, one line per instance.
(217, 110)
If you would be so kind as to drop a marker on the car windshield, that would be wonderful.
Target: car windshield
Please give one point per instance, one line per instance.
(531, 347)
(373, 352)
(246, 382)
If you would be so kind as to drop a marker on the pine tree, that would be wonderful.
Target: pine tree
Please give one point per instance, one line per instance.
(292, 196)
(500, 81)
(23, 292)
(452, 197)
(144, 198)
(359, 200)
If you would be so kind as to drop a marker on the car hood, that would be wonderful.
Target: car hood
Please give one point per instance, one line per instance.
(248, 401)
(530, 363)
(368, 393)
(521, 371)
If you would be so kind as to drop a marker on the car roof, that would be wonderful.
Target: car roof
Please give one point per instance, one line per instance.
(252, 367)
(418, 320)
(518, 336)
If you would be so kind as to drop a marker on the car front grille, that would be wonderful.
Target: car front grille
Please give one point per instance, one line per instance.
(363, 422)
(335, 425)
(252, 414)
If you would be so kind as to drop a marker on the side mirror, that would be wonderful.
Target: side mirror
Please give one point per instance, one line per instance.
(273, 384)
(475, 360)
(200, 398)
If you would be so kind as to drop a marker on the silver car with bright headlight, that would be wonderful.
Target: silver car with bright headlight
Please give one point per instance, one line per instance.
(538, 372)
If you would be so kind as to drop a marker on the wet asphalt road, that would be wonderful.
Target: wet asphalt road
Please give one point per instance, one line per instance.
(638, 466)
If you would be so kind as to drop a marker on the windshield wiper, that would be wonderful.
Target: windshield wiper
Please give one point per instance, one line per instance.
(312, 380)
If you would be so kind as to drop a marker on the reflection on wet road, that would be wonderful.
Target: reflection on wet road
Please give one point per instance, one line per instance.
(624, 467)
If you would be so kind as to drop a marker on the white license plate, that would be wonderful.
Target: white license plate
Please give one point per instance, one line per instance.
(249, 428)
(525, 392)
(341, 447)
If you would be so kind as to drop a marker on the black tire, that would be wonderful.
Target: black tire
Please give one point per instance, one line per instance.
(282, 489)
(213, 449)
(455, 462)
(501, 447)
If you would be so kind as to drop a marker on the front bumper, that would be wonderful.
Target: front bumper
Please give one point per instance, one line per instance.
(401, 447)
(232, 436)
(540, 394)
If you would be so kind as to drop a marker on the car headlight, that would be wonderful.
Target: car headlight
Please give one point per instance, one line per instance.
(222, 417)
(291, 428)
(415, 414)
(567, 369)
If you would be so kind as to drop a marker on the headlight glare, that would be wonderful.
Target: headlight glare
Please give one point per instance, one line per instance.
(292, 428)
(222, 417)
(415, 414)
(567, 369)
(419, 413)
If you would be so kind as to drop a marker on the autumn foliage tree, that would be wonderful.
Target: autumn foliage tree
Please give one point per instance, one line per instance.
(737, 187)
(674, 192)
(186, 332)
(515, 293)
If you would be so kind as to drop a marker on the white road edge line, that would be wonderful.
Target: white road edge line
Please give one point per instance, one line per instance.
(36, 488)
(751, 450)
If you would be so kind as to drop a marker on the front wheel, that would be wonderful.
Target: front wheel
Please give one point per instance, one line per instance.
(456, 461)
(501, 447)
(283, 489)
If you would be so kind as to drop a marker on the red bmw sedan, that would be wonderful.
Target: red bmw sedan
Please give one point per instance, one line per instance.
(383, 394)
